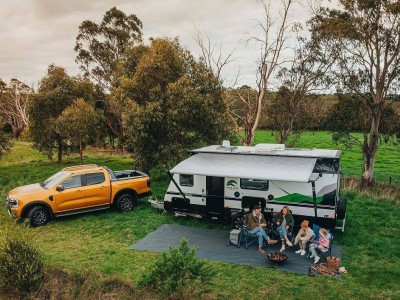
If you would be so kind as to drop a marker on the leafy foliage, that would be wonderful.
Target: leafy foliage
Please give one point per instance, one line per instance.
(76, 122)
(56, 92)
(174, 104)
(101, 49)
(101, 46)
(351, 113)
(21, 265)
(177, 271)
(5, 139)
(364, 39)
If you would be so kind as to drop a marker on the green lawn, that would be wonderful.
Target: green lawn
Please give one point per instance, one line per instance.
(99, 241)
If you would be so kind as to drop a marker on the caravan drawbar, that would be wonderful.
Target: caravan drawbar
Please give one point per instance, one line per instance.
(223, 182)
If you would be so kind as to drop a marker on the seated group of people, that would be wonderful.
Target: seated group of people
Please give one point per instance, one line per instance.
(256, 225)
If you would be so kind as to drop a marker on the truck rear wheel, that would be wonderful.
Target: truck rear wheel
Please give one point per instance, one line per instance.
(126, 202)
(38, 216)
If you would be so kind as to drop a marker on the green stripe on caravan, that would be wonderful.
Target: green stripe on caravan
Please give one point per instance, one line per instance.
(298, 198)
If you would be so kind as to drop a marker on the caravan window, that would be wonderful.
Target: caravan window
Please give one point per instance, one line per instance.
(186, 180)
(254, 184)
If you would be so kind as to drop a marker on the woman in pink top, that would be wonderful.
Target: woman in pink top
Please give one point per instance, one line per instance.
(322, 244)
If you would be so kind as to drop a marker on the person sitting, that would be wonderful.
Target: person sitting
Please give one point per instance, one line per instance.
(256, 224)
(322, 244)
(304, 235)
(284, 220)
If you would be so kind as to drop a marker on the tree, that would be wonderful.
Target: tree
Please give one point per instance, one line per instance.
(76, 122)
(289, 113)
(101, 48)
(364, 38)
(5, 139)
(271, 48)
(57, 90)
(175, 103)
(14, 100)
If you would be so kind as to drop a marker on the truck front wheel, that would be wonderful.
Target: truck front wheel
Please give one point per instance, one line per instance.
(38, 216)
(126, 202)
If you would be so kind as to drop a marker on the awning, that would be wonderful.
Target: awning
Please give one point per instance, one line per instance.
(297, 169)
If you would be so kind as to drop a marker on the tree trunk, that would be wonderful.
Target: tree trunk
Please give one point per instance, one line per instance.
(59, 151)
(369, 150)
(80, 152)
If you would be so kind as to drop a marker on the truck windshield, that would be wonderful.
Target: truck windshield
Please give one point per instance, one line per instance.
(52, 180)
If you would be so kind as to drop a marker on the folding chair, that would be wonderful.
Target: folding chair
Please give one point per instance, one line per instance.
(276, 236)
(247, 236)
(323, 254)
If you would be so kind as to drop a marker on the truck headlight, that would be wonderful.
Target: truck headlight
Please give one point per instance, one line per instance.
(13, 203)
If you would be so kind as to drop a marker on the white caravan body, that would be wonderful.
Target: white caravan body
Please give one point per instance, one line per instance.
(218, 182)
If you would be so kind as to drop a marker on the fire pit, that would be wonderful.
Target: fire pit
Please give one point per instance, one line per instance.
(277, 258)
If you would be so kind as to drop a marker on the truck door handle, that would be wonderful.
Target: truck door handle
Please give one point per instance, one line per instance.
(103, 187)
(79, 190)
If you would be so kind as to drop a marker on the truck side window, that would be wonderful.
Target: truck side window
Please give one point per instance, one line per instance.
(185, 180)
(254, 184)
(72, 182)
(94, 178)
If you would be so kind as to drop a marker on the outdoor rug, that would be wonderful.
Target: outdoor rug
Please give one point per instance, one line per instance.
(212, 245)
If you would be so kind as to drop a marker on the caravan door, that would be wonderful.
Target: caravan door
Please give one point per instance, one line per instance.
(215, 196)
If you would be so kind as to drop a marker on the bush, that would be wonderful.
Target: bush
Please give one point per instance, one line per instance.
(178, 272)
(21, 265)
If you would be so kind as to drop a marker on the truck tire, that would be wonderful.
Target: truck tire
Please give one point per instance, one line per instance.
(125, 202)
(38, 216)
(341, 208)
(237, 221)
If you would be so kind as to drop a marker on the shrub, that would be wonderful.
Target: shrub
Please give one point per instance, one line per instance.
(177, 272)
(21, 265)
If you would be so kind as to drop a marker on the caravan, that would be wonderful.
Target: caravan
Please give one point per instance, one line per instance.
(223, 182)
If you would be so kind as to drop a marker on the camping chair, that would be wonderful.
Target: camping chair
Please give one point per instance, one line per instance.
(275, 234)
(247, 236)
(324, 255)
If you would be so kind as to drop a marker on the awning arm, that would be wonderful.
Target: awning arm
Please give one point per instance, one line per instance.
(177, 186)
(314, 195)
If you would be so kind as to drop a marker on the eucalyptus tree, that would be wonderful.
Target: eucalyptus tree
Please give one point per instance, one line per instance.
(14, 101)
(76, 123)
(364, 38)
(175, 103)
(57, 90)
(101, 48)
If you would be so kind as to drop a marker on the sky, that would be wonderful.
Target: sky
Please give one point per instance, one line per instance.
(37, 33)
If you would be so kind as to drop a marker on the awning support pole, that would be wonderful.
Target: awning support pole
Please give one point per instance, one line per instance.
(314, 199)
(177, 186)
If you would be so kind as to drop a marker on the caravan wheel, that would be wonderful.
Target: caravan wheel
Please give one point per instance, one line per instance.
(341, 208)
(237, 221)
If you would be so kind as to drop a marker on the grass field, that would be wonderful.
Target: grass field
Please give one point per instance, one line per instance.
(98, 241)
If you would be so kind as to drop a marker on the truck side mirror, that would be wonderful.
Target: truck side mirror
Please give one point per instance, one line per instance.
(60, 188)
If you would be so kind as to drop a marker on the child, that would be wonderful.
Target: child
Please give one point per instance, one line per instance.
(322, 244)
(304, 235)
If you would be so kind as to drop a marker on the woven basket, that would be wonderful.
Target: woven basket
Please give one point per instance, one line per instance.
(333, 262)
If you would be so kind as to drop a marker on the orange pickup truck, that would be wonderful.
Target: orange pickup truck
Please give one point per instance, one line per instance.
(76, 190)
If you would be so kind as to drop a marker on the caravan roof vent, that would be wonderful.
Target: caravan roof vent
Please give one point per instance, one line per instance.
(227, 148)
(269, 147)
